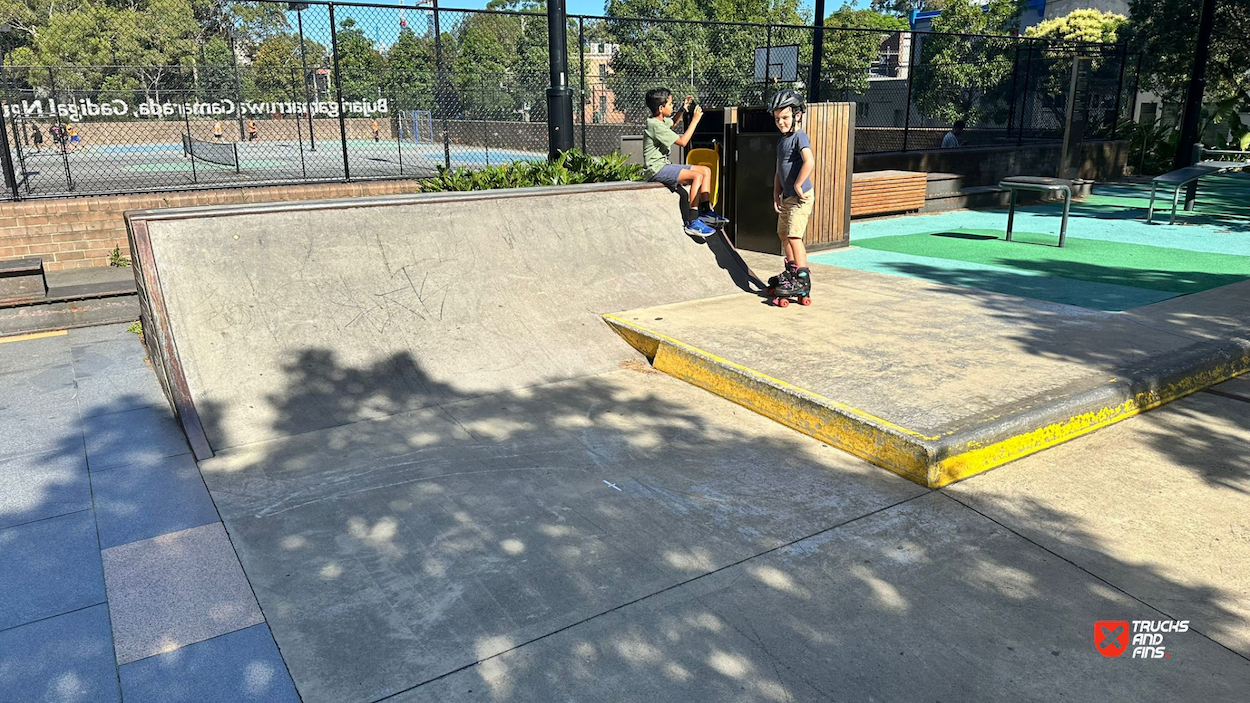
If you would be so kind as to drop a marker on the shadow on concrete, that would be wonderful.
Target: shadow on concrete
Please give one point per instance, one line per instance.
(1154, 279)
(1055, 289)
(627, 537)
(1198, 434)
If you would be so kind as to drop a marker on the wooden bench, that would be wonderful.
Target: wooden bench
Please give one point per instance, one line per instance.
(22, 280)
(887, 192)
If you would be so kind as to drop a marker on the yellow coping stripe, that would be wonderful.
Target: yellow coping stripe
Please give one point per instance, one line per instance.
(980, 459)
(36, 335)
(640, 332)
(850, 430)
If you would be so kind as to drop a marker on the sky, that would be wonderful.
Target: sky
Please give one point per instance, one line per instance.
(595, 7)
(383, 28)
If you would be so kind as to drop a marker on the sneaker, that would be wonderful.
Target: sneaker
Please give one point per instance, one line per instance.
(696, 228)
(712, 217)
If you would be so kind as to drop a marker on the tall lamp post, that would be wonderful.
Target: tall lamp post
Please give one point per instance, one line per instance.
(559, 96)
(1193, 94)
(298, 8)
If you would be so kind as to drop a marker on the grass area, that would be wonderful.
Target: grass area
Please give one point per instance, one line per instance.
(1118, 263)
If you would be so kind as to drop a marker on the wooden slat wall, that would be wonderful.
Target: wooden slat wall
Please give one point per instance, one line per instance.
(831, 127)
(886, 192)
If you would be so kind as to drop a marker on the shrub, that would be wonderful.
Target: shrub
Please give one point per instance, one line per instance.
(570, 168)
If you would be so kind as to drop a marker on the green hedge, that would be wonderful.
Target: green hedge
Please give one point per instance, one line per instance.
(570, 168)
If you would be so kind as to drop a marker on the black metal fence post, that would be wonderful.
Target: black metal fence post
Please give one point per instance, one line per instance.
(338, 92)
(60, 128)
(1119, 91)
(1132, 110)
(238, 86)
(303, 61)
(1024, 97)
(397, 128)
(186, 120)
(911, 77)
(768, 61)
(438, 87)
(818, 53)
(581, 53)
(299, 135)
(1015, 70)
(10, 176)
(20, 149)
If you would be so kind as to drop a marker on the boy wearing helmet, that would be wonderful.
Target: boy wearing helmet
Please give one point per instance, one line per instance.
(658, 139)
(792, 196)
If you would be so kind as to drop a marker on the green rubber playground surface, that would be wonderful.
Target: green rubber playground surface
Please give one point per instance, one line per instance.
(1135, 265)
(1113, 260)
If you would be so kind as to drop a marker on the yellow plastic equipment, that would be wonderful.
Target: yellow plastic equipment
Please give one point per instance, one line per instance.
(711, 159)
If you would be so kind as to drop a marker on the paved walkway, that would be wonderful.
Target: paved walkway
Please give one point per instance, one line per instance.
(737, 560)
(118, 579)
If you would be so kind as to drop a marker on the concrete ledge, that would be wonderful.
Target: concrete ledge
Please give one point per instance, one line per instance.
(963, 449)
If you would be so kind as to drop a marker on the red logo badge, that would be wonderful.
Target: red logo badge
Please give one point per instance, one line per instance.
(1111, 637)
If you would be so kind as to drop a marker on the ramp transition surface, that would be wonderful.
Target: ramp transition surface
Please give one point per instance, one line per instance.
(423, 296)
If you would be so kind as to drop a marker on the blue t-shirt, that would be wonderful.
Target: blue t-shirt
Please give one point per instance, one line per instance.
(790, 161)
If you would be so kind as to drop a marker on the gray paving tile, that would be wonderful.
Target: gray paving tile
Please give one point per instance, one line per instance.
(132, 436)
(61, 659)
(82, 336)
(112, 376)
(39, 431)
(50, 567)
(40, 387)
(38, 486)
(174, 590)
(240, 667)
(28, 354)
(149, 499)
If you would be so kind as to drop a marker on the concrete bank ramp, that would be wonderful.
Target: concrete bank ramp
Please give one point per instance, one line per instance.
(371, 307)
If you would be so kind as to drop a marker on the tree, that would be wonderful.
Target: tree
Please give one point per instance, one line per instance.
(1051, 66)
(904, 8)
(712, 60)
(482, 71)
(277, 68)
(1164, 31)
(848, 56)
(967, 77)
(151, 41)
(411, 70)
(1081, 26)
(361, 66)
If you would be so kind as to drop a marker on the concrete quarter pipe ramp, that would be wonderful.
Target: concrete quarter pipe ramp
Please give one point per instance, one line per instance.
(476, 292)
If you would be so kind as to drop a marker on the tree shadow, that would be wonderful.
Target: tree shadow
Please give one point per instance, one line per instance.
(628, 537)
(1053, 288)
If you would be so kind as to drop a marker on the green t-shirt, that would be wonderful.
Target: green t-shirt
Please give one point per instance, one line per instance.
(657, 139)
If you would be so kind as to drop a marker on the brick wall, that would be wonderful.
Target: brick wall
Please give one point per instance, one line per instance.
(80, 232)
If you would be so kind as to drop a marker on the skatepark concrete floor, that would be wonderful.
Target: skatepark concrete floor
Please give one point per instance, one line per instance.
(622, 536)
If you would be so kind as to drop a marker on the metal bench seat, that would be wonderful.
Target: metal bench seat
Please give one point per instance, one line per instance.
(1038, 184)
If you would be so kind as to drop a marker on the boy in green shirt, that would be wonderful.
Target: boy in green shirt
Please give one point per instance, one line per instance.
(658, 139)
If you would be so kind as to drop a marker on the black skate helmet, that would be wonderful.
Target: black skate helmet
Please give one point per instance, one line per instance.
(787, 98)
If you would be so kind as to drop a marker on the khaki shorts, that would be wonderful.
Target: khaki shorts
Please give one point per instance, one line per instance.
(792, 222)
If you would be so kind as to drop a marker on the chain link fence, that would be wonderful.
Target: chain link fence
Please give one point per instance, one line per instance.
(300, 92)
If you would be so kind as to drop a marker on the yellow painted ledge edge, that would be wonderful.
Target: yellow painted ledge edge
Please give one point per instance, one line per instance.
(978, 459)
(897, 449)
(904, 452)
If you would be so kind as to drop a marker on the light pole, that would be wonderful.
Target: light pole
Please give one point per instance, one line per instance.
(298, 8)
(559, 96)
(1193, 94)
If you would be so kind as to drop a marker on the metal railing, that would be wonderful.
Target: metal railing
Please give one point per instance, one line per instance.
(321, 91)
